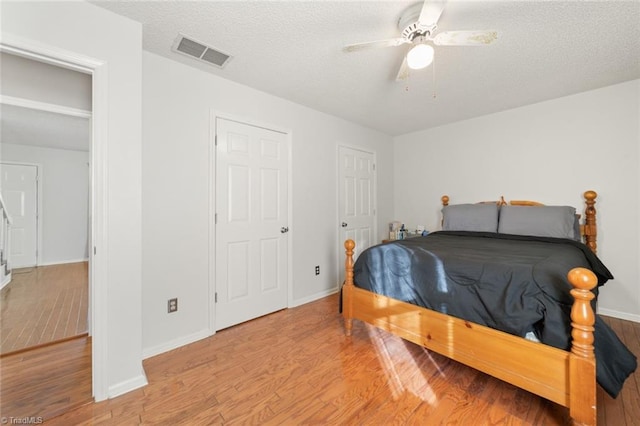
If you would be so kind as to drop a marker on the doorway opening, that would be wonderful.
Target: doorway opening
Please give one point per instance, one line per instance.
(45, 157)
(46, 186)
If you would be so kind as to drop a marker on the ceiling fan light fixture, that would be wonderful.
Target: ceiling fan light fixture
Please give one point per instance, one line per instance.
(420, 56)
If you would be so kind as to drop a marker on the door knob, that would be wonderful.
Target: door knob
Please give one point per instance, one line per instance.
(344, 224)
(284, 230)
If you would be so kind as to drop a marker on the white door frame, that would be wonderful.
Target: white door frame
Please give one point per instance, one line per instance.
(213, 115)
(98, 261)
(38, 206)
(341, 249)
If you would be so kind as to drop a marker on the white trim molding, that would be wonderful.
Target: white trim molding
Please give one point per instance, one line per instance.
(43, 106)
(619, 315)
(5, 281)
(64, 262)
(175, 343)
(128, 385)
(314, 297)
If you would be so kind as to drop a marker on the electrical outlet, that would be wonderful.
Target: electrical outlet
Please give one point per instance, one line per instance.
(172, 305)
(318, 270)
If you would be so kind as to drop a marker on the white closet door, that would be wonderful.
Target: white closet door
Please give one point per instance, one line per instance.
(252, 223)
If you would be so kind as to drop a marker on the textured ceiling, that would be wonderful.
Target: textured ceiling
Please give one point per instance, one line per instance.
(293, 49)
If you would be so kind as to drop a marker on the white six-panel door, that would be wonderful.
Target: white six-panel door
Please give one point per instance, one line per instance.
(357, 208)
(252, 222)
(20, 193)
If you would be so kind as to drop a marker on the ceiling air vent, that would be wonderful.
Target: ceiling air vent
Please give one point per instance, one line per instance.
(200, 51)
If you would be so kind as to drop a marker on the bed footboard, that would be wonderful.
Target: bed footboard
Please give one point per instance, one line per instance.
(347, 289)
(565, 377)
(582, 362)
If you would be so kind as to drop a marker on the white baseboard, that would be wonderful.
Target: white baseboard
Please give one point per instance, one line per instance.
(174, 344)
(128, 385)
(6, 280)
(203, 334)
(63, 262)
(313, 297)
(619, 315)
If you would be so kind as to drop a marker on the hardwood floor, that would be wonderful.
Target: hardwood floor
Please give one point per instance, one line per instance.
(47, 381)
(297, 367)
(43, 305)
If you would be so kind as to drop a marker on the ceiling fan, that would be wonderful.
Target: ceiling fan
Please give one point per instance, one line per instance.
(418, 25)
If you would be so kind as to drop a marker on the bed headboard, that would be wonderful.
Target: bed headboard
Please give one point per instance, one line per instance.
(588, 229)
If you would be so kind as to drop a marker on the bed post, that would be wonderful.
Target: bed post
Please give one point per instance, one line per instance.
(445, 200)
(590, 229)
(347, 288)
(582, 362)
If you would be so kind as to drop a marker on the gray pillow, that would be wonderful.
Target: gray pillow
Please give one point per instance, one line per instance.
(470, 217)
(541, 221)
(577, 235)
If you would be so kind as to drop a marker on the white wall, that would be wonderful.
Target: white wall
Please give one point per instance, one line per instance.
(80, 28)
(176, 110)
(551, 152)
(64, 175)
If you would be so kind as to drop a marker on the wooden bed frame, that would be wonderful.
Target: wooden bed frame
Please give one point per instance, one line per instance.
(564, 377)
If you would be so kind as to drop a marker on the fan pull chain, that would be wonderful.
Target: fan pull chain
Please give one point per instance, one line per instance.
(433, 69)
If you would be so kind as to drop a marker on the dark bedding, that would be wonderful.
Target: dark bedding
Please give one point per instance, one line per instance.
(512, 283)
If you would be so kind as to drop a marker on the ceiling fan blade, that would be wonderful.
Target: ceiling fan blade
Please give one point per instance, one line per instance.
(465, 38)
(403, 72)
(430, 13)
(375, 44)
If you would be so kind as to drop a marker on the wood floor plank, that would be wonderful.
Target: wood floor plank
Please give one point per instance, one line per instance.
(42, 305)
(47, 381)
(297, 367)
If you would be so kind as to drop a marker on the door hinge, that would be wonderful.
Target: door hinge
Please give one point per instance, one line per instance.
(374, 166)
(215, 139)
(215, 220)
(216, 297)
(94, 250)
